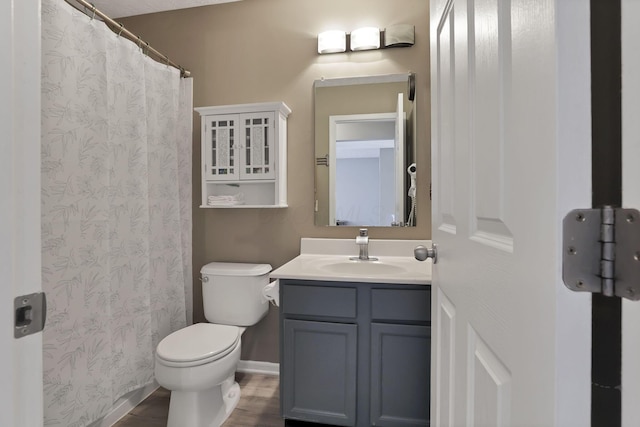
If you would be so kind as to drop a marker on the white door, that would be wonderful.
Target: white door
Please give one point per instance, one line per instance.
(630, 199)
(511, 156)
(399, 175)
(20, 359)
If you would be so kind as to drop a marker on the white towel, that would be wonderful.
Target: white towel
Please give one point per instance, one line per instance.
(230, 200)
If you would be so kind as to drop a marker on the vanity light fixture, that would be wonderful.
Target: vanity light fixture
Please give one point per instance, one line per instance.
(366, 38)
(332, 41)
(401, 35)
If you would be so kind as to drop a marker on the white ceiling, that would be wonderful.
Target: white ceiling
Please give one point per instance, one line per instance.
(121, 8)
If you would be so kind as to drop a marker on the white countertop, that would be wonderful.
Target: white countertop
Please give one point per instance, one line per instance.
(329, 259)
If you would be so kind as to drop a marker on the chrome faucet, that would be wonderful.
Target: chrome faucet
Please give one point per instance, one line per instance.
(362, 240)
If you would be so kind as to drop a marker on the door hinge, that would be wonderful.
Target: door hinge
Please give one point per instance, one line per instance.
(601, 251)
(323, 161)
(30, 312)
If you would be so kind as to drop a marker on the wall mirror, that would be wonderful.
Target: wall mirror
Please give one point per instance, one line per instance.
(365, 151)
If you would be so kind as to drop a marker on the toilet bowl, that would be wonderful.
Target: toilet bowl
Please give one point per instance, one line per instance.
(198, 363)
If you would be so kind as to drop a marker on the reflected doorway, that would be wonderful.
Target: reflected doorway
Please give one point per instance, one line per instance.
(367, 179)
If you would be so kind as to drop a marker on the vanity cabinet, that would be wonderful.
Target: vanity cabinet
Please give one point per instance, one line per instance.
(355, 354)
(244, 150)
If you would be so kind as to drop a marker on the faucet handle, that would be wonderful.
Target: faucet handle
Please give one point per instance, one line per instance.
(363, 237)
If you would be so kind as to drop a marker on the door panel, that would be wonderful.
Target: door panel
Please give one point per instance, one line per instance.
(399, 376)
(257, 145)
(443, 145)
(488, 386)
(444, 362)
(508, 84)
(321, 378)
(221, 148)
(489, 90)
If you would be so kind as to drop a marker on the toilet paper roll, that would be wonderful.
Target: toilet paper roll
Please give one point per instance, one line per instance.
(272, 292)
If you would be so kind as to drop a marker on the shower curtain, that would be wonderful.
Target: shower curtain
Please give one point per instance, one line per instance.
(116, 213)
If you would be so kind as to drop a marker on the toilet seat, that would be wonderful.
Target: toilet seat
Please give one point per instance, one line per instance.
(197, 344)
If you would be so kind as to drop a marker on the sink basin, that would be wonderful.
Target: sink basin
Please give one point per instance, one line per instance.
(363, 267)
(332, 260)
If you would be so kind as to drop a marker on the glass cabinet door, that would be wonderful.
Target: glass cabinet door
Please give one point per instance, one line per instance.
(240, 147)
(257, 148)
(222, 150)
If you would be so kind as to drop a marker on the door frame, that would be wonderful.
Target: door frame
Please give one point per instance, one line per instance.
(21, 393)
(606, 148)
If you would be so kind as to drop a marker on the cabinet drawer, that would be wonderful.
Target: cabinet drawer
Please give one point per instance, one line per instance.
(323, 301)
(401, 304)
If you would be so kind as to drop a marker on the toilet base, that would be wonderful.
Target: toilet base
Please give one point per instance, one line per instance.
(230, 396)
(206, 408)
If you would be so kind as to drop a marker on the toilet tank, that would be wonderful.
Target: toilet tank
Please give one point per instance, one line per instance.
(232, 292)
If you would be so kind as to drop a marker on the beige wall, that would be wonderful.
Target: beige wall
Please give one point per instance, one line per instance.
(266, 50)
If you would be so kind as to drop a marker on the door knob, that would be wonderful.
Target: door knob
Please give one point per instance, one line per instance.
(422, 252)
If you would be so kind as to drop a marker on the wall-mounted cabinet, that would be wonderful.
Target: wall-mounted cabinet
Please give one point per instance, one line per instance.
(244, 155)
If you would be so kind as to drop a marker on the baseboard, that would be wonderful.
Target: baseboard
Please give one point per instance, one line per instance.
(258, 367)
(125, 404)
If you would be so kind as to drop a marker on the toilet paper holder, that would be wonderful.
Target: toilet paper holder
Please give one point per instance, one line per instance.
(271, 292)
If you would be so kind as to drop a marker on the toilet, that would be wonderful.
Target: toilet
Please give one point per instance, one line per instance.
(198, 363)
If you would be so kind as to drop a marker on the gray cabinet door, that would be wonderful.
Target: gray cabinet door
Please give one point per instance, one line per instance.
(400, 375)
(319, 381)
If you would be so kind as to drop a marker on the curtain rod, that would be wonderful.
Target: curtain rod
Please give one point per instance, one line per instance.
(90, 10)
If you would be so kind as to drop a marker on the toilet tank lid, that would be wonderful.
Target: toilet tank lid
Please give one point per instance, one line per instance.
(235, 269)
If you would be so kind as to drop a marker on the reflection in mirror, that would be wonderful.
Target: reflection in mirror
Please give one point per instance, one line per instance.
(364, 145)
(363, 189)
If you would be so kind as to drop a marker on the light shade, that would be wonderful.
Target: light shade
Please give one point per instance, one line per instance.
(332, 41)
(365, 38)
(401, 35)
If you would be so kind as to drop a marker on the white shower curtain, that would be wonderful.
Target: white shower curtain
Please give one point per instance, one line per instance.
(116, 213)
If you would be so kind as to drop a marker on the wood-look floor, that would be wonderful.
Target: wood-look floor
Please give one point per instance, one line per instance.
(259, 405)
